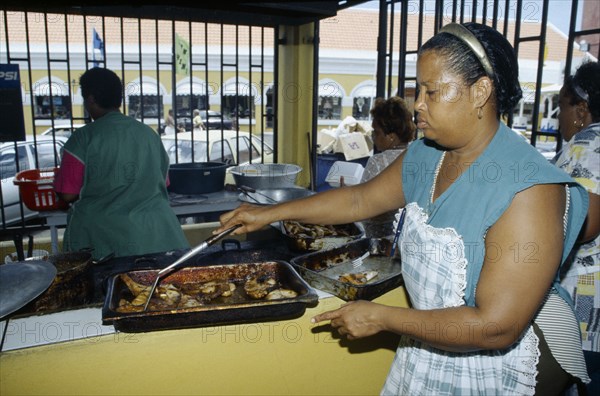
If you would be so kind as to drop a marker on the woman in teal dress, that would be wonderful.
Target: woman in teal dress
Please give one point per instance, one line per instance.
(114, 170)
(488, 223)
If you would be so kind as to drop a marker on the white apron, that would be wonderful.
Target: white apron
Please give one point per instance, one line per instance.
(434, 271)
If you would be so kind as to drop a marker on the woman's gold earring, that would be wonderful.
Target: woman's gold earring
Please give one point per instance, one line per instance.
(480, 113)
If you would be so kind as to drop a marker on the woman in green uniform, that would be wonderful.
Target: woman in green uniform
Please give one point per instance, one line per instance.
(115, 172)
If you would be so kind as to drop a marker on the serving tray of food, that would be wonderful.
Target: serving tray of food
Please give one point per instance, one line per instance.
(207, 296)
(359, 270)
(302, 237)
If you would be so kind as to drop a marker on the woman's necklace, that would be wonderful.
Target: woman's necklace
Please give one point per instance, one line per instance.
(435, 177)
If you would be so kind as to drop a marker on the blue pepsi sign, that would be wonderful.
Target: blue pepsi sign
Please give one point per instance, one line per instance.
(12, 123)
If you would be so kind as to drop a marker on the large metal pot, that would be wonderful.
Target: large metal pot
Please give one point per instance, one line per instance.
(266, 176)
(197, 178)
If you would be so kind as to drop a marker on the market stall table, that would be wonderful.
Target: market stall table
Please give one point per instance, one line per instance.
(292, 357)
(276, 356)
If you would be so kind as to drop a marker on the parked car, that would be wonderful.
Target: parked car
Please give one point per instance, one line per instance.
(62, 130)
(215, 146)
(184, 121)
(215, 120)
(49, 154)
(269, 138)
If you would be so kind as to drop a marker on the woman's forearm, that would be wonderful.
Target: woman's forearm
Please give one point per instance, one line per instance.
(459, 329)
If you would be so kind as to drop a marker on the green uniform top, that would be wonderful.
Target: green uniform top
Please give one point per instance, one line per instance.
(123, 205)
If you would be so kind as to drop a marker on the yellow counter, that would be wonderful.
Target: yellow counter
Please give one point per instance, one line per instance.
(292, 357)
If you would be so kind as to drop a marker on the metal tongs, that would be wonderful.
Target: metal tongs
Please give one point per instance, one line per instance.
(249, 190)
(186, 256)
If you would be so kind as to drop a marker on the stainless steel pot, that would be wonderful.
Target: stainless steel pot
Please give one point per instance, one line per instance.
(274, 195)
(266, 176)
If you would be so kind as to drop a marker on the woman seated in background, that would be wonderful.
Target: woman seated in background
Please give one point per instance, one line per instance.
(393, 130)
(483, 239)
(579, 124)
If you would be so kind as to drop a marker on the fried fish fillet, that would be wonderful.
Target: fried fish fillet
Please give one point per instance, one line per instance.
(358, 278)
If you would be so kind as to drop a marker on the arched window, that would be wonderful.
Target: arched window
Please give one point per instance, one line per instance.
(330, 100)
(191, 96)
(238, 99)
(144, 98)
(51, 99)
(362, 100)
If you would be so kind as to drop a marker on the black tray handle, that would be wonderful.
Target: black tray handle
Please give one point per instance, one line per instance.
(225, 242)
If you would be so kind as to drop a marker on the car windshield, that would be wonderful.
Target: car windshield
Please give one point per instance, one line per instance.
(211, 114)
(183, 150)
(266, 147)
(8, 166)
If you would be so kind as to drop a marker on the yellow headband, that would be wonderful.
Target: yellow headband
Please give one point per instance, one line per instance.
(471, 41)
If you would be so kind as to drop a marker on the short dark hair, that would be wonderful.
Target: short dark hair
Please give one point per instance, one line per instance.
(586, 78)
(462, 61)
(104, 85)
(392, 116)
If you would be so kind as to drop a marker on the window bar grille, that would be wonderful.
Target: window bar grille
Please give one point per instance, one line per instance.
(237, 93)
(474, 11)
(315, 106)
(173, 106)
(203, 64)
(122, 55)
(157, 66)
(495, 4)
(252, 104)
(140, 68)
(207, 86)
(390, 48)
(454, 11)
(573, 33)
(381, 53)
(484, 12)
(221, 85)
(69, 90)
(402, 50)
(275, 93)
(541, 38)
(50, 82)
(439, 14)
(192, 107)
(159, 62)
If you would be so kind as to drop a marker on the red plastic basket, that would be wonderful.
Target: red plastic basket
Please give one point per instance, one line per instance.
(37, 189)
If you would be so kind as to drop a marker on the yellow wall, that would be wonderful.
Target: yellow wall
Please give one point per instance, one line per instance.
(295, 98)
(291, 357)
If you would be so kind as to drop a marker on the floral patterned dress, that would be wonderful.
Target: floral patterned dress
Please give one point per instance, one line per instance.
(581, 159)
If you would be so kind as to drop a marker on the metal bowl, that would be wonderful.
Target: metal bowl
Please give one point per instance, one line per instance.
(274, 195)
(266, 176)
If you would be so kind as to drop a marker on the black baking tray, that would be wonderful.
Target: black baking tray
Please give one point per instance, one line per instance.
(322, 269)
(221, 312)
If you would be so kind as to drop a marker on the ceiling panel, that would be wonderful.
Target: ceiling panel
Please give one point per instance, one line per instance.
(257, 13)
